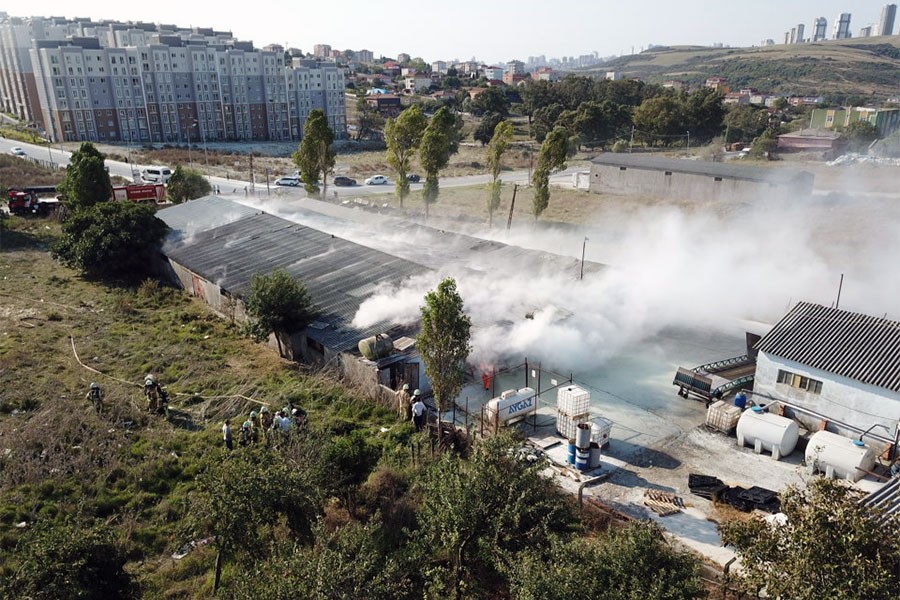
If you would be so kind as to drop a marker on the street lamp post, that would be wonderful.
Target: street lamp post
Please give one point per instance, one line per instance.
(583, 247)
(190, 156)
(205, 153)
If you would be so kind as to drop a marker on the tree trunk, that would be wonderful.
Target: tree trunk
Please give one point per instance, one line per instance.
(218, 571)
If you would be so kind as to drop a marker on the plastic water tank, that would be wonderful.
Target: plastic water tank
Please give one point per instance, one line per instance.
(837, 456)
(765, 431)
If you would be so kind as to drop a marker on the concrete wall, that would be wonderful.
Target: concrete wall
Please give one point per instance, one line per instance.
(610, 179)
(841, 399)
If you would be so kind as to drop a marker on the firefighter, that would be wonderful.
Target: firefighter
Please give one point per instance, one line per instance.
(404, 402)
(95, 397)
(151, 390)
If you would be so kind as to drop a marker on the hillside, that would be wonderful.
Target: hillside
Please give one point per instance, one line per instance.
(869, 66)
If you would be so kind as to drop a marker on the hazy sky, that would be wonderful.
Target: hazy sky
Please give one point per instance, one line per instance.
(490, 30)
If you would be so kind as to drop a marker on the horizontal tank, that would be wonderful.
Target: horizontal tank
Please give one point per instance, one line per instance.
(377, 346)
(511, 405)
(765, 431)
(837, 456)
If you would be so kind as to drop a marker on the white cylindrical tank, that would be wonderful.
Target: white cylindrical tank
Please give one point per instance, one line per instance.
(765, 431)
(511, 405)
(837, 456)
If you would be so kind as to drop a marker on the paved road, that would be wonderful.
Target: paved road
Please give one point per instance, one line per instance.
(50, 155)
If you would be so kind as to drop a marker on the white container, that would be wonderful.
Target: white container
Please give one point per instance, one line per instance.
(567, 425)
(512, 405)
(600, 431)
(583, 436)
(837, 456)
(723, 416)
(765, 431)
(573, 400)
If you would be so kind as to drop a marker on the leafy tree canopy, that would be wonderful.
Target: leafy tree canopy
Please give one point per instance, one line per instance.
(87, 181)
(403, 136)
(316, 157)
(111, 240)
(439, 143)
(485, 130)
(278, 303)
(186, 184)
(554, 152)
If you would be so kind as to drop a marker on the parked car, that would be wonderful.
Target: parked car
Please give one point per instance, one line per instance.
(17, 151)
(155, 174)
(288, 180)
(376, 180)
(342, 181)
(413, 178)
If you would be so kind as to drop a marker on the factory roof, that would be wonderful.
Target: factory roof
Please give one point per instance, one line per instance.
(840, 342)
(339, 274)
(711, 169)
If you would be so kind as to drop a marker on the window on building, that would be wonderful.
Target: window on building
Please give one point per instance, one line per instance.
(813, 386)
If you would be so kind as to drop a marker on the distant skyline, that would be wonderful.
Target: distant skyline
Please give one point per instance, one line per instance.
(495, 31)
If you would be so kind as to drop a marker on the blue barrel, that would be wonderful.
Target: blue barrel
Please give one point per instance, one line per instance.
(571, 457)
(740, 400)
(582, 459)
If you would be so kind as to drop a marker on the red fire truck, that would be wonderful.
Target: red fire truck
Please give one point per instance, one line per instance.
(152, 192)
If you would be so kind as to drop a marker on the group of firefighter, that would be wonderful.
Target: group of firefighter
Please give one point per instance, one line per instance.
(156, 394)
(411, 407)
(265, 426)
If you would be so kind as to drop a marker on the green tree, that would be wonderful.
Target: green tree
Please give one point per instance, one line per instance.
(87, 181)
(68, 560)
(544, 120)
(537, 95)
(111, 240)
(598, 123)
(444, 341)
(479, 514)
(315, 158)
(492, 99)
(403, 136)
(369, 119)
(765, 144)
(660, 119)
(745, 122)
(628, 564)
(553, 155)
(503, 134)
(439, 143)
(346, 463)
(830, 546)
(703, 114)
(186, 184)
(278, 304)
(859, 135)
(485, 130)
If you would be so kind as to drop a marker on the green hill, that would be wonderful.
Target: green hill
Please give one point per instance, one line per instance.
(869, 66)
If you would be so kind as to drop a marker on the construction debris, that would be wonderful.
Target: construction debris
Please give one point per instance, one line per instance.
(663, 503)
(740, 498)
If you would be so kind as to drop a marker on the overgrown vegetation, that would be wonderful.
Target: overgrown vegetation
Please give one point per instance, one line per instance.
(186, 184)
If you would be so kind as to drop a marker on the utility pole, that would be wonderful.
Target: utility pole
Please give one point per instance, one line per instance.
(512, 206)
(689, 140)
(583, 246)
(252, 177)
(631, 144)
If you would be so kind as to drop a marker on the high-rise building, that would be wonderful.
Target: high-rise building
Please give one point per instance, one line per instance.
(322, 51)
(146, 83)
(865, 31)
(841, 27)
(792, 36)
(886, 24)
(800, 30)
(820, 28)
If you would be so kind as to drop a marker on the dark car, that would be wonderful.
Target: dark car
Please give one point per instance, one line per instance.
(412, 178)
(342, 181)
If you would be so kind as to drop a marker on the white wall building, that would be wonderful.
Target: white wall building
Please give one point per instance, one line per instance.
(841, 365)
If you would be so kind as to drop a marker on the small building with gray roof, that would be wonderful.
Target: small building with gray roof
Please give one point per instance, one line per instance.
(637, 174)
(840, 366)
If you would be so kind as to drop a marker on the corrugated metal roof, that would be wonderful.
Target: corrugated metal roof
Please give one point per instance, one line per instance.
(334, 270)
(696, 167)
(886, 500)
(190, 218)
(861, 347)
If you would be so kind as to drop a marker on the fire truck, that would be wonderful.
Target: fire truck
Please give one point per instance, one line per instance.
(152, 192)
(27, 201)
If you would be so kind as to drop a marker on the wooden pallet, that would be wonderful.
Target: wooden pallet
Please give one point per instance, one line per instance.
(663, 503)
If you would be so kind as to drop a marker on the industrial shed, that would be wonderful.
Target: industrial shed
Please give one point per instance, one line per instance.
(837, 366)
(217, 246)
(635, 174)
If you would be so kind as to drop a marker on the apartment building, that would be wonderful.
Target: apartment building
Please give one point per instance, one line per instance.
(147, 83)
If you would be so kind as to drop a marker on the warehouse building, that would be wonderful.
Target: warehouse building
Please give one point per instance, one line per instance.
(840, 368)
(635, 174)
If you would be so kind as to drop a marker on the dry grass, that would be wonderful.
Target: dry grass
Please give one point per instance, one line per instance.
(15, 172)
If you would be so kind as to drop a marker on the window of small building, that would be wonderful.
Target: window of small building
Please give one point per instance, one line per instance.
(813, 386)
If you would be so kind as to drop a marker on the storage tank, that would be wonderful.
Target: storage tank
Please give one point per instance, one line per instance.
(837, 456)
(765, 431)
(511, 405)
(573, 400)
(377, 346)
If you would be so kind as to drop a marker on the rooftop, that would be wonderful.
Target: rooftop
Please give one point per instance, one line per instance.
(852, 345)
(696, 167)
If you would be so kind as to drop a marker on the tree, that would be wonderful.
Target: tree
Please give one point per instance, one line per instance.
(635, 562)
(111, 240)
(444, 341)
(830, 546)
(745, 122)
(544, 120)
(403, 136)
(503, 134)
(479, 514)
(68, 560)
(661, 117)
(315, 156)
(485, 130)
(87, 181)
(492, 99)
(186, 184)
(439, 143)
(859, 135)
(537, 95)
(554, 152)
(278, 304)
(598, 123)
(368, 119)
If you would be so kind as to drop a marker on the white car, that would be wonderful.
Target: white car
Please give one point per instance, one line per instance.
(17, 151)
(289, 180)
(376, 180)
